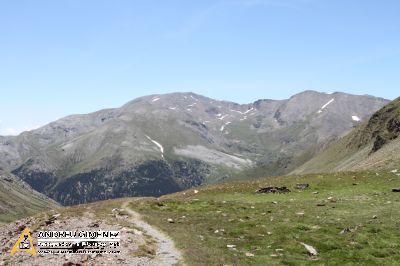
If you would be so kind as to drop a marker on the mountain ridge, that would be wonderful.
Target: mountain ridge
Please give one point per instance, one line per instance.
(373, 145)
(18, 199)
(160, 144)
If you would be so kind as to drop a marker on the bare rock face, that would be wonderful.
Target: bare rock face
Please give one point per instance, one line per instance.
(164, 143)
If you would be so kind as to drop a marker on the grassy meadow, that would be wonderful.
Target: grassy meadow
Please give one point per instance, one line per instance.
(230, 224)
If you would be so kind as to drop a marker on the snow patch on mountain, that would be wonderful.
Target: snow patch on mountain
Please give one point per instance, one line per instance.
(222, 117)
(248, 111)
(158, 145)
(325, 105)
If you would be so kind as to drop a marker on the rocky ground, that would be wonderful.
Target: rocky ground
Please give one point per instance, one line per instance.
(141, 244)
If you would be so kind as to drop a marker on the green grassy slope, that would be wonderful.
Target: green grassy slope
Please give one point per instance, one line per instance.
(372, 145)
(272, 226)
(18, 199)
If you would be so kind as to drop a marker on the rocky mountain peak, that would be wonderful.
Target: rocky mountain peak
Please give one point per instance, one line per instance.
(163, 143)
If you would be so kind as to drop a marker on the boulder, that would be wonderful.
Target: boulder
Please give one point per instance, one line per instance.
(302, 186)
(273, 190)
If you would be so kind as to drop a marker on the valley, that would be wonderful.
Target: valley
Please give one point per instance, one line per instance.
(199, 203)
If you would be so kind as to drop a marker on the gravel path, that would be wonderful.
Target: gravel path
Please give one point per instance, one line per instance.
(167, 253)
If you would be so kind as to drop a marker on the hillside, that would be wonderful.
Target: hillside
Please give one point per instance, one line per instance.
(18, 199)
(373, 145)
(348, 218)
(160, 144)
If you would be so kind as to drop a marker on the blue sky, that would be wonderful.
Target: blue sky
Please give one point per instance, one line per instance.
(72, 56)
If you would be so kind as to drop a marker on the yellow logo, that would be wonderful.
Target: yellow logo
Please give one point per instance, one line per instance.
(24, 243)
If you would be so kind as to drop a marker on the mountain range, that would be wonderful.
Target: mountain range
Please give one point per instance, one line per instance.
(160, 144)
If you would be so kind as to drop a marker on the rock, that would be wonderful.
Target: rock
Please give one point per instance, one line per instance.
(331, 199)
(302, 186)
(315, 192)
(94, 225)
(374, 217)
(274, 202)
(21, 228)
(85, 258)
(311, 250)
(160, 204)
(231, 246)
(137, 232)
(273, 190)
(378, 143)
(50, 220)
(345, 230)
(248, 254)
(395, 189)
(196, 191)
(171, 221)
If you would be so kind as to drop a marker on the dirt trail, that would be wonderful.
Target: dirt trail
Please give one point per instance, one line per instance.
(167, 253)
(147, 246)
